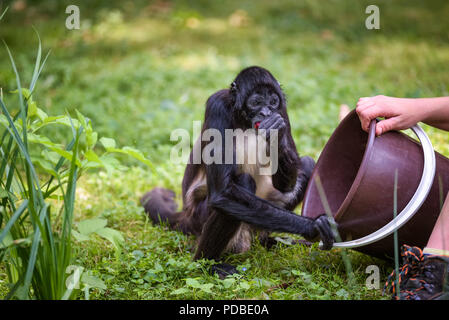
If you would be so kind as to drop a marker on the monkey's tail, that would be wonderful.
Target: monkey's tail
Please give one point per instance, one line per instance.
(160, 205)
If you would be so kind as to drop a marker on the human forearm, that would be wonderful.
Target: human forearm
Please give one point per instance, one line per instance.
(435, 111)
(402, 113)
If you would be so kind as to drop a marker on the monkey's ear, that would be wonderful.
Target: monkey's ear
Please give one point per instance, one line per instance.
(235, 96)
(233, 87)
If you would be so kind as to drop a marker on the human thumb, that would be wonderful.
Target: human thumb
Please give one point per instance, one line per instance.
(385, 125)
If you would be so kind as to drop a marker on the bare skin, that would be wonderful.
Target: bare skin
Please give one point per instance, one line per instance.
(402, 113)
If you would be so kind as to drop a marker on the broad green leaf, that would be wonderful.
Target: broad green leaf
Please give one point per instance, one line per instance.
(32, 108)
(136, 154)
(25, 93)
(34, 138)
(193, 283)
(228, 282)
(81, 119)
(79, 236)
(92, 156)
(114, 236)
(92, 281)
(64, 120)
(91, 138)
(110, 163)
(88, 226)
(50, 156)
(244, 285)
(46, 165)
(179, 291)
(53, 119)
(342, 293)
(206, 287)
(41, 114)
(107, 143)
(86, 164)
(66, 154)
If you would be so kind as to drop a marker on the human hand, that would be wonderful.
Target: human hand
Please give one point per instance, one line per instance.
(399, 113)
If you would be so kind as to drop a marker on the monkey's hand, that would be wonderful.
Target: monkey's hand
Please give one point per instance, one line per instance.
(322, 229)
(274, 122)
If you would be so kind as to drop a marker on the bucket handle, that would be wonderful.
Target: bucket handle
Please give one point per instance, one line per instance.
(415, 202)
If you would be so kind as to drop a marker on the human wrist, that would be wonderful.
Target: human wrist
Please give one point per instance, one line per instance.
(433, 109)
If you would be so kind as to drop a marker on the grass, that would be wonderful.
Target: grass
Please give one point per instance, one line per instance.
(139, 70)
(34, 249)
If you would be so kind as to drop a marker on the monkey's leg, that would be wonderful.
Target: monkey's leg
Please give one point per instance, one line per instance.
(217, 232)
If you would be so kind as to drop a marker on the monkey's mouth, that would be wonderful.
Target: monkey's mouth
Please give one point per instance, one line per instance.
(256, 125)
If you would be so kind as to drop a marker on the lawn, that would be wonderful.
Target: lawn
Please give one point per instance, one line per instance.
(140, 69)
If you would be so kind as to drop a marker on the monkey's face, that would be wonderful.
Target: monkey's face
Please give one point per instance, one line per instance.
(261, 104)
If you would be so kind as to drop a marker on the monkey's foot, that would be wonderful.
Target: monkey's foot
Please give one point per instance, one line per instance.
(223, 270)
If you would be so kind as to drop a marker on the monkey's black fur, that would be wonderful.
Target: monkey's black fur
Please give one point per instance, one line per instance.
(218, 198)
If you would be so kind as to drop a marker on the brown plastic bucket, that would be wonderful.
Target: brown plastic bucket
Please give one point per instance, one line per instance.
(357, 173)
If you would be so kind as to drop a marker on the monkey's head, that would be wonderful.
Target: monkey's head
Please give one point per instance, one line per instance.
(257, 95)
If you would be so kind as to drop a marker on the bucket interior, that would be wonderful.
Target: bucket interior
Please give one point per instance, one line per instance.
(337, 168)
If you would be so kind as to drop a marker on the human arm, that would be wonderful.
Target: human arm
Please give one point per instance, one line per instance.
(402, 113)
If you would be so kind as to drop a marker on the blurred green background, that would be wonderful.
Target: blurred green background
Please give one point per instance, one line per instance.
(140, 69)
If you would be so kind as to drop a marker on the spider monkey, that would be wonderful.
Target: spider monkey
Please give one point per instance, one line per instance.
(225, 203)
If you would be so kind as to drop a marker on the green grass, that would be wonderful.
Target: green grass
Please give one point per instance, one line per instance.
(140, 70)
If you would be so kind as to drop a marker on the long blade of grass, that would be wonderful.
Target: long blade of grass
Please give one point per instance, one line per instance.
(31, 262)
(395, 234)
(15, 134)
(35, 246)
(22, 105)
(69, 201)
(37, 63)
(333, 224)
(10, 173)
(3, 14)
(5, 154)
(13, 219)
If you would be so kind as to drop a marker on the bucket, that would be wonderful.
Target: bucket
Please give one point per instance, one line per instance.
(357, 174)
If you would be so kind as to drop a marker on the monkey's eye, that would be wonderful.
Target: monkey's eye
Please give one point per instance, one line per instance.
(274, 100)
(255, 101)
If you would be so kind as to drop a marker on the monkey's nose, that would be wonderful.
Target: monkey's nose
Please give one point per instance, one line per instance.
(265, 112)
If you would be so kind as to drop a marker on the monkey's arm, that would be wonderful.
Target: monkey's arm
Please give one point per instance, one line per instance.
(241, 204)
(230, 197)
(296, 195)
